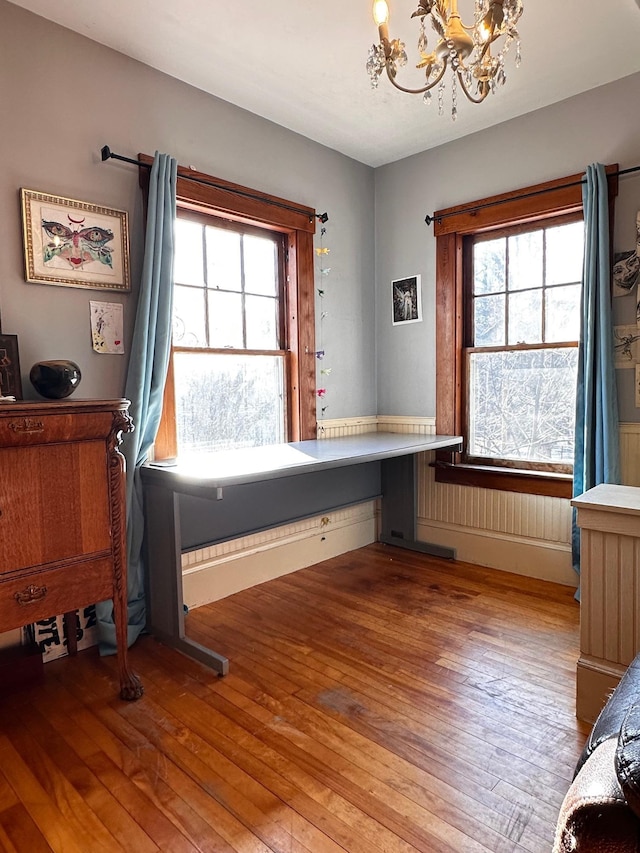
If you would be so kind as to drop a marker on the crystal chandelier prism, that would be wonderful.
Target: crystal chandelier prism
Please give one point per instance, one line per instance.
(475, 54)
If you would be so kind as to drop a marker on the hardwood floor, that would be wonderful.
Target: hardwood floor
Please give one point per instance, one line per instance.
(380, 701)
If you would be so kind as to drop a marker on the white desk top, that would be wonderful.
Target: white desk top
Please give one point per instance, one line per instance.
(249, 465)
(610, 498)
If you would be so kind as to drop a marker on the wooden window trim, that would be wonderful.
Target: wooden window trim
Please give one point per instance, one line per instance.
(298, 224)
(505, 479)
(544, 201)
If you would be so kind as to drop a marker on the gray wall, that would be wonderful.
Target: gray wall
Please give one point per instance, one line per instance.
(598, 126)
(62, 97)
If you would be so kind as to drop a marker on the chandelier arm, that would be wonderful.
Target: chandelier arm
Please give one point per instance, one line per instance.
(424, 88)
(467, 93)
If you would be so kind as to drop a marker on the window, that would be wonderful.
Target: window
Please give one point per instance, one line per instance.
(508, 281)
(522, 289)
(230, 359)
(242, 370)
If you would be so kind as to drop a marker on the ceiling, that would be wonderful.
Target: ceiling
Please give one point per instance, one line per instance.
(302, 64)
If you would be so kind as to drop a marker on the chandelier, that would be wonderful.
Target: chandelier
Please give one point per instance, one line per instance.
(475, 54)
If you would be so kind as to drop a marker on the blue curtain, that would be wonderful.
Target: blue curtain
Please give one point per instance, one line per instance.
(147, 372)
(597, 455)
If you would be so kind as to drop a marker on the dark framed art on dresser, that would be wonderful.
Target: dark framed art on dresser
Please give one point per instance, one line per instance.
(10, 380)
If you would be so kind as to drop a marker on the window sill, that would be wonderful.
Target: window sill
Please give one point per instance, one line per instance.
(505, 479)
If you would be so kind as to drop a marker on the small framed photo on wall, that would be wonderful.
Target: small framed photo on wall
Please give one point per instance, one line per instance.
(406, 300)
(10, 381)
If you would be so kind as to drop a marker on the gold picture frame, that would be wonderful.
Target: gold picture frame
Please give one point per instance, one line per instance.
(74, 243)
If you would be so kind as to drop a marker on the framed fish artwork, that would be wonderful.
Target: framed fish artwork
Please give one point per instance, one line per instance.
(74, 243)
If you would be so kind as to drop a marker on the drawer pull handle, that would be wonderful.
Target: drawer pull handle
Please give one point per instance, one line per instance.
(27, 425)
(30, 594)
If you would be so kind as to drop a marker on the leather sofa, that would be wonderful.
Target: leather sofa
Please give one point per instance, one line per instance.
(601, 810)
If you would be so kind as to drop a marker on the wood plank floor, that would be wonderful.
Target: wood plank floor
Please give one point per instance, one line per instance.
(380, 701)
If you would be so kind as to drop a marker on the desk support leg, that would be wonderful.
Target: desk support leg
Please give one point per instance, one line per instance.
(399, 507)
(165, 605)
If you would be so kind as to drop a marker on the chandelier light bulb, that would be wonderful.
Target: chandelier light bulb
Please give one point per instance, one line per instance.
(484, 29)
(380, 12)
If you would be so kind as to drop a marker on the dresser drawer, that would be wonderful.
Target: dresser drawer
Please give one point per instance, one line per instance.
(38, 595)
(23, 428)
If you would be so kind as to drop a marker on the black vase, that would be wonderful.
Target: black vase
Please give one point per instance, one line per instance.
(55, 379)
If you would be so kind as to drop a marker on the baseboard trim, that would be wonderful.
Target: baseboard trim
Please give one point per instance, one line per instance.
(595, 681)
(544, 560)
(223, 576)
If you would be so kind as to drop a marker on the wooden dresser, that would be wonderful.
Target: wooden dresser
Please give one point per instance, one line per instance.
(63, 515)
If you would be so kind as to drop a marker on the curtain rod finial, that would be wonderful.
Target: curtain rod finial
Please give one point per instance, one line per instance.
(105, 152)
(323, 217)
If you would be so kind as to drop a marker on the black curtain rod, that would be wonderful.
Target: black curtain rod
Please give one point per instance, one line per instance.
(107, 154)
(433, 218)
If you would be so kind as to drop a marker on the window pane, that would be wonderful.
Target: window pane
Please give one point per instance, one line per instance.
(189, 317)
(262, 330)
(188, 264)
(525, 260)
(488, 266)
(525, 317)
(260, 270)
(489, 321)
(565, 246)
(224, 268)
(225, 320)
(226, 401)
(562, 316)
(522, 404)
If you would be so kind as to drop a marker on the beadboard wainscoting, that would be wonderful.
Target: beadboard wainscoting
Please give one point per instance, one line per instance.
(407, 426)
(340, 427)
(209, 574)
(525, 534)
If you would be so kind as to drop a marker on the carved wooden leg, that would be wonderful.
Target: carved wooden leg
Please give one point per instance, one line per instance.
(130, 685)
